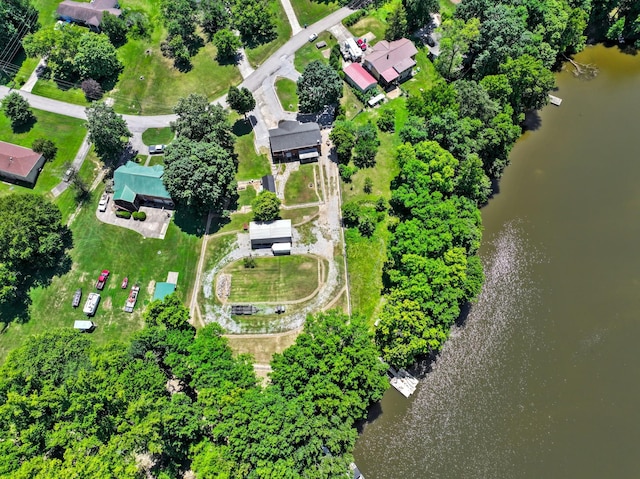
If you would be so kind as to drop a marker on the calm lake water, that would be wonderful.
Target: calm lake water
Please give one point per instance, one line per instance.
(542, 381)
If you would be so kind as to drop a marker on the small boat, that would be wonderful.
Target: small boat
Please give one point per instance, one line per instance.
(125, 283)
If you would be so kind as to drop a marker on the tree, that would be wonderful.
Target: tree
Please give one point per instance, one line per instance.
(368, 185)
(419, 12)
(199, 120)
(457, 36)
(266, 206)
(115, 28)
(318, 86)
(169, 313)
(343, 137)
(254, 20)
(387, 120)
(530, 83)
(214, 17)
(18, 18)
(47, 147)
(335, 58)
(92, 89)
(241, 100)
(199, 175)
(32, 238)
(97, 57)
(472, 180)
(227, 44)
(397, 26)
(17, 110)
(59, 46)
(366, 147)
(108, 131)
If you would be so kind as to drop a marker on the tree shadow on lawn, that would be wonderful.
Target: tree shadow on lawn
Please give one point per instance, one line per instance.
(189, 221)
(24, 127)
(243, 127)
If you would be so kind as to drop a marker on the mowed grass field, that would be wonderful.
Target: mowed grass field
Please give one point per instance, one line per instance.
(301, 186)
(66, 132)
(251, 165)
(309, 52)
(310, 11)
(97, 246)
(274, 279)
(259, 53)
(286, 91)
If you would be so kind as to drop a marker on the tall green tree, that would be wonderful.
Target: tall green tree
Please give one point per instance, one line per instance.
(169, 313)
(343, 137)
(199, 120)
(199, 175)
(266, 206)
(397, 26)
(18, 19)
(214, 16)
(241, 100)
(457, 36)
(17, 110)
(227, 44)
(254, 20)
(97, 58)
(115, 28)
(530, 83)
(318, 86)
(366, 146)
(108, 132)
(419, 12)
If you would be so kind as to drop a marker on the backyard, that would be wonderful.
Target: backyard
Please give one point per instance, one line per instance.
(67, 133)
(251, 165)
(375, 22)
(286, 90)
(310, 52)
(274, 279)
(301, 186)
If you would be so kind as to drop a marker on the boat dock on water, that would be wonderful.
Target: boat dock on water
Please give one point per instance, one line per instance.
(555, 100)
(404, 382)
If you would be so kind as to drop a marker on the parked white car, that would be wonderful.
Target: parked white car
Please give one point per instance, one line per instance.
(104, 200)
(313, 36)
(156, 149)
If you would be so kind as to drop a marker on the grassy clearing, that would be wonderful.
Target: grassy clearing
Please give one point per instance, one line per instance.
(49, 89)
(262, 348)
(246, 196)
(25, 67)
(67, 201)
(259, 53)
(301, 187)
(251, 165)
(66, 132)
(126, 253)
(425, 78)
(309, 12)
(447, 8)
(286, 90)
(46, 11)
(274, 279)
(352, 106)
(155, 160)
(309, 52)
(299, 215)
(157, 136)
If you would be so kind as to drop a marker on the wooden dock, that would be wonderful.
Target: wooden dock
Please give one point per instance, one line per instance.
(404, 382)
(555, 100)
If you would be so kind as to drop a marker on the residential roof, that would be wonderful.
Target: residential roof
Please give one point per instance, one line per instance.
(361, 77)
(269, 229)
(163, 290)
(269, 183)
(89, 13)
(133, 179)
(386, 55)
(292, 135)
(17, 160)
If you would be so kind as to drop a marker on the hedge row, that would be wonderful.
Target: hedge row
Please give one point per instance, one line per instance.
(354, 17)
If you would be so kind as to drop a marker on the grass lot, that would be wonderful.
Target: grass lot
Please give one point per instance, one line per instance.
(49, 89)
(261, 348)
(17, 74)
(425, 78)
(155, 160)
(309, 12)
(246, 196)
(297, 190)
(286, 90)
(299, 215)
(279, 278)
(67, 201)
(447, 8)
(66, 132)
(157, 136)
(126, 253)
(259, 53)
(375, 22)
(251, 165)
(309, 52)
(352, 106)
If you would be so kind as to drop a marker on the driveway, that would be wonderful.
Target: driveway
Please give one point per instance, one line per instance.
(155, 226)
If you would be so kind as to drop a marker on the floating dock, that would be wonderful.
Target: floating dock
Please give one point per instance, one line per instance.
(555, 100)
(404, 382)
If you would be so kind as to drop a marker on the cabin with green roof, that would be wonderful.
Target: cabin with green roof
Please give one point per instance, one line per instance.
(136, 185)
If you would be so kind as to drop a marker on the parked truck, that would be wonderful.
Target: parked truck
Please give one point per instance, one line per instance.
(102, 279)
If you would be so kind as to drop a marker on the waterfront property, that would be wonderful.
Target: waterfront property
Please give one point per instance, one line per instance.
(87, 13)
(136, 185)
(19, 164)
(293, 140)
(266, 234)
(391, 62)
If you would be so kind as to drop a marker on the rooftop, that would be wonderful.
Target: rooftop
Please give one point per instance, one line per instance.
(293, 135)
(359, 76)
(269, 229)
(396, 55)
(17, 160)
(133, 179)
(163, 290)
(89, 13)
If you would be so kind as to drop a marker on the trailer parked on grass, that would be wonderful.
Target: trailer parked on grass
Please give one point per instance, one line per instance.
(91, 306)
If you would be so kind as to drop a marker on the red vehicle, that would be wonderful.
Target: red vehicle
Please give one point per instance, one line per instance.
(125, 283)
(359, 42)
(102, 279)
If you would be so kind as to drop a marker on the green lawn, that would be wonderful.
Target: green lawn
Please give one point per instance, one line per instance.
(246, 196)
(301, 187)
(46, 11)
(259, 53)
(24, 66)
(251, 165)
(67, 201)
(352, 106)
(299, 215)
(155, 160)
(447, 8)
(425, 78)
(286, 90)
(274, 279)
(49, 89)
(309, 52)
(157, 136)
(125, 253)
(66, 132)
(309, 12)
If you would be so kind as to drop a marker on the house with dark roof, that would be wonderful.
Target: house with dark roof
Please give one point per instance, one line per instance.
(359, 78)
(87, 13)
(293, 140)
(19, 165)
(136, 185)
(391, 62)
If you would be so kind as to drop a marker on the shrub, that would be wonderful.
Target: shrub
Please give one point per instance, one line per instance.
(47, 148)
(346, 172)
(142, 215)
(368, 185)
(381, 205)
(386, 120)
(354, 17)
(123, 214)
(249, 262)
(92, 89)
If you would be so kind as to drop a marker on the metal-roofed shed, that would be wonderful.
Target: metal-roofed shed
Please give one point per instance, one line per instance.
(265, 234)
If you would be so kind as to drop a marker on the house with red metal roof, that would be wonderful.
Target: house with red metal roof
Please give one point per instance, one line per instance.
(359, 78)
(391, 62)
(19, 164)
